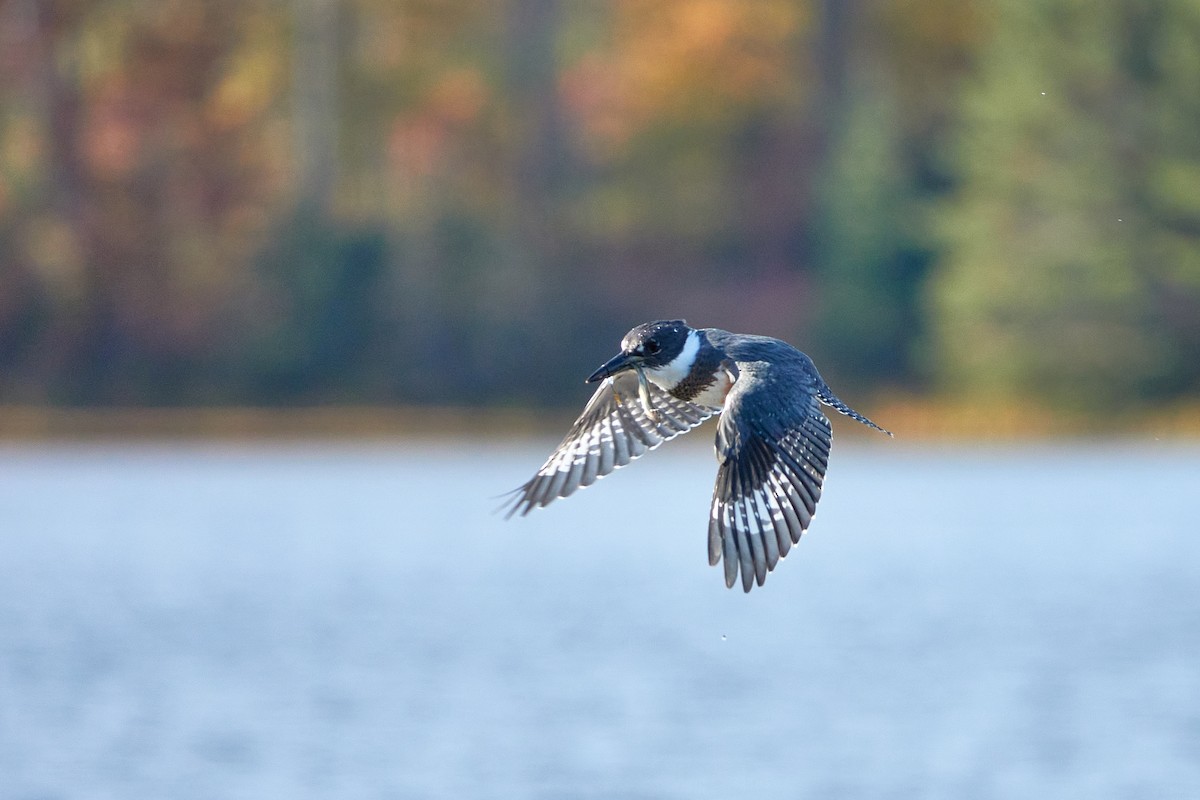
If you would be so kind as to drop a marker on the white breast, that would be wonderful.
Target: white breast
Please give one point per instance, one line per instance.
(669, 375)
(715, 395)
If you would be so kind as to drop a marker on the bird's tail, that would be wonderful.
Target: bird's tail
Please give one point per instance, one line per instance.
(826, 396)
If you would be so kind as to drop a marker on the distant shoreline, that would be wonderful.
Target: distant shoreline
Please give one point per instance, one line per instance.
(912, 420)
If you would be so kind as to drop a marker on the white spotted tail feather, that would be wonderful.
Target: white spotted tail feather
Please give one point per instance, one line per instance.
(612, 431)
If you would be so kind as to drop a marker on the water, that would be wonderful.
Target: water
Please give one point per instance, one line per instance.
(317, 621)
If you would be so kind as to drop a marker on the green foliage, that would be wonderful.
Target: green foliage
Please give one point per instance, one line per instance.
(1069, 268)
(320, 321)
(867, 240)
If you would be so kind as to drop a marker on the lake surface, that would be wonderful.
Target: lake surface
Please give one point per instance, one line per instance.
(351, 621)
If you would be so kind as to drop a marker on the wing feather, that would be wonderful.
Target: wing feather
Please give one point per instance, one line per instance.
(612, 431)
(773, 458)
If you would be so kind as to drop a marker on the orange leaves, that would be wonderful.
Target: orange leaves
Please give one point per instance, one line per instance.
(418, 142)
(671, 59)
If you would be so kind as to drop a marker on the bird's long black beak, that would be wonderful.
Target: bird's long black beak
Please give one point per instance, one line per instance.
(618, 363)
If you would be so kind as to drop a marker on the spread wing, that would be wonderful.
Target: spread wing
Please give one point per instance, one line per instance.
(773, 457)
(612, 431)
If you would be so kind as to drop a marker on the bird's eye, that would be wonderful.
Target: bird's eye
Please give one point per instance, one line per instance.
(651, 346)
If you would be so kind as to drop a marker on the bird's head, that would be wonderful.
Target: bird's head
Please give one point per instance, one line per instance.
(651, 346)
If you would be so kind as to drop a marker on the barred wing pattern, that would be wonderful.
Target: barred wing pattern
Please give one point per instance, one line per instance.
(612, 431)
(767, 488)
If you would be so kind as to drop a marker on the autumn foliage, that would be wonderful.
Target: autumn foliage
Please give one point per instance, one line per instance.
(429, 202)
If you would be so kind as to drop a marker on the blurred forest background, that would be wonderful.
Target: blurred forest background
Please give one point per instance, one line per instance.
(428, 202)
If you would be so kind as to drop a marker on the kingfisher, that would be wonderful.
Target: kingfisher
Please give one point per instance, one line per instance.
(772, 439)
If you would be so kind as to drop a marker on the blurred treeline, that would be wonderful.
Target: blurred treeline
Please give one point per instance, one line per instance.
(427, 201)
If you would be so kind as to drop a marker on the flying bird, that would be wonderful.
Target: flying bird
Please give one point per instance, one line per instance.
(772, 438)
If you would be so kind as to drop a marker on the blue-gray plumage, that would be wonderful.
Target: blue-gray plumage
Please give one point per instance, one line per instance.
(772, 438)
